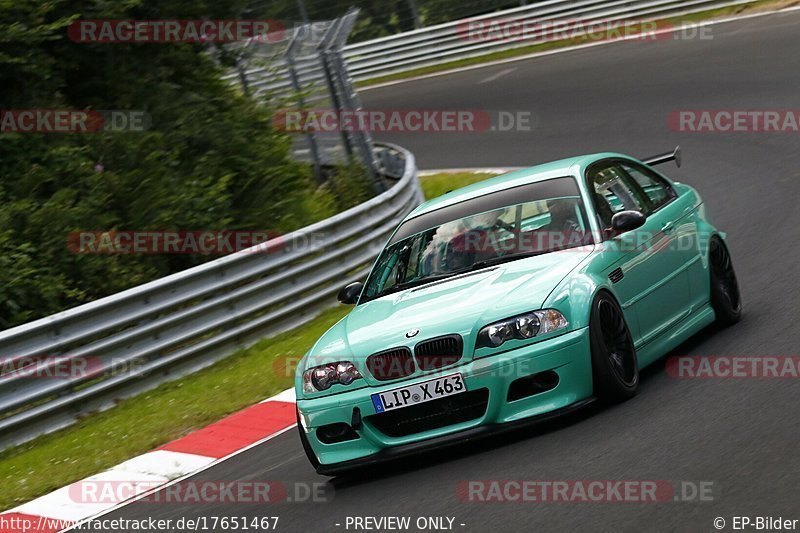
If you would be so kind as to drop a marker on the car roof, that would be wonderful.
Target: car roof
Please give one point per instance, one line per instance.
(572, 166)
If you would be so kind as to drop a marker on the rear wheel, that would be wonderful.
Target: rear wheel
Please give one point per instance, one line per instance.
(615, 369)
(725, 298)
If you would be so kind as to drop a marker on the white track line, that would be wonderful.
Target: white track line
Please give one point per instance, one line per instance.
(497, 75)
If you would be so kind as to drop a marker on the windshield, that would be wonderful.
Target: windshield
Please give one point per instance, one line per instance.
(467, 236)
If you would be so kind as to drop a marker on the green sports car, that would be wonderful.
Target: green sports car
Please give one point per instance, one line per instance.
(520, 297)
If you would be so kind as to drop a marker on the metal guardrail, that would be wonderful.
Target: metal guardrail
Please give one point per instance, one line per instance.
(169, 327)
(450, 41)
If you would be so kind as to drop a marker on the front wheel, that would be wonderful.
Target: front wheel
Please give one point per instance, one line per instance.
(615, 369)
(725, 297)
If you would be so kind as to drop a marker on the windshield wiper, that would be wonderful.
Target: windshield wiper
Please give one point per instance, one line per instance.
(411, 284)
(504, 259)
(430, 279)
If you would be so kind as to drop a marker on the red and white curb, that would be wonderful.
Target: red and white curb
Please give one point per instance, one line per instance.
(143, 474)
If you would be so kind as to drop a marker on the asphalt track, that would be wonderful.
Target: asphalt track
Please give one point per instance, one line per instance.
(741, 434)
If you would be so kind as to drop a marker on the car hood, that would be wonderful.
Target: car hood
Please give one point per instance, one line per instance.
(462, 304)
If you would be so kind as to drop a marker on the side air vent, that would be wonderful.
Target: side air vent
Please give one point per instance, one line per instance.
(616, 275)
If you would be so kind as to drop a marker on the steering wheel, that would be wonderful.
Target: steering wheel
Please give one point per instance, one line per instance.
(469, 223)
(504, 225)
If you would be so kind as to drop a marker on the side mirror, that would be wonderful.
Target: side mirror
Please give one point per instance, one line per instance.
(350, 293)
(625, 221)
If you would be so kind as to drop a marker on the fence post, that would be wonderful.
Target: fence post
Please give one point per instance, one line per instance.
(323, 52)
(312, 139)
(361, 138)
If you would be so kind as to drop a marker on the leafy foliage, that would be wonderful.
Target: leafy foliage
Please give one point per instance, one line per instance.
(378, 18)
(210, 160)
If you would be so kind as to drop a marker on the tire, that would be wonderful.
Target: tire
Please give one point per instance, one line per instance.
(312, 458)
(725, 297)
(615, 369)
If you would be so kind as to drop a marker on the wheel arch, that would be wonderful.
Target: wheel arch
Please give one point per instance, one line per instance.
(575, 296)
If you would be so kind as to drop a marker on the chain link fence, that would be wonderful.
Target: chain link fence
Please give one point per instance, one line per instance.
(305, 74)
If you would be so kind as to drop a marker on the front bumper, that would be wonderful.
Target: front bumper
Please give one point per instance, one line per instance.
(567, 355)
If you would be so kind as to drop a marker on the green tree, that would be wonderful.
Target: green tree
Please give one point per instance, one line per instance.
(210, 160)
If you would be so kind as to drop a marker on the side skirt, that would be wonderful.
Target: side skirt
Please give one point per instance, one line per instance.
(674, 336)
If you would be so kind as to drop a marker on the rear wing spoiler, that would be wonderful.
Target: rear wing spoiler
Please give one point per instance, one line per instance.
(675, 155)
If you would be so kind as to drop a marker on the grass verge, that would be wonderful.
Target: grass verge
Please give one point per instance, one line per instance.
(137, 425)
(437, 184)
(758, 6)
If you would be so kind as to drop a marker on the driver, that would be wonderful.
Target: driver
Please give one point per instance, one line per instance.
(564, 227)
(481, 239)
(562, 215)
(459, 243)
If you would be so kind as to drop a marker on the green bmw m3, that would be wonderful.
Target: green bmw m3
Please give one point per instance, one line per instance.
(518, 298)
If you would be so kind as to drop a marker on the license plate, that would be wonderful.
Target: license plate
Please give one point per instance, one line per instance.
(419, 393)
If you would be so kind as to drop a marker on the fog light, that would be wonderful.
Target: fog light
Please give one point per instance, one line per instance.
(333, 433)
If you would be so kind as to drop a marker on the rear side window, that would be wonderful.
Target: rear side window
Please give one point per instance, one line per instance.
(658, 191)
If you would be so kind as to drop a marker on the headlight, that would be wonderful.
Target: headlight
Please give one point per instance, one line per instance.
(320, 378)
(523, 326)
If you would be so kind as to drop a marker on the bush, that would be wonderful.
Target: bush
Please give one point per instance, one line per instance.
(210, 160)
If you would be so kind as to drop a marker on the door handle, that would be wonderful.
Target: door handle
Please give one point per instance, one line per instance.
(667, 227)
